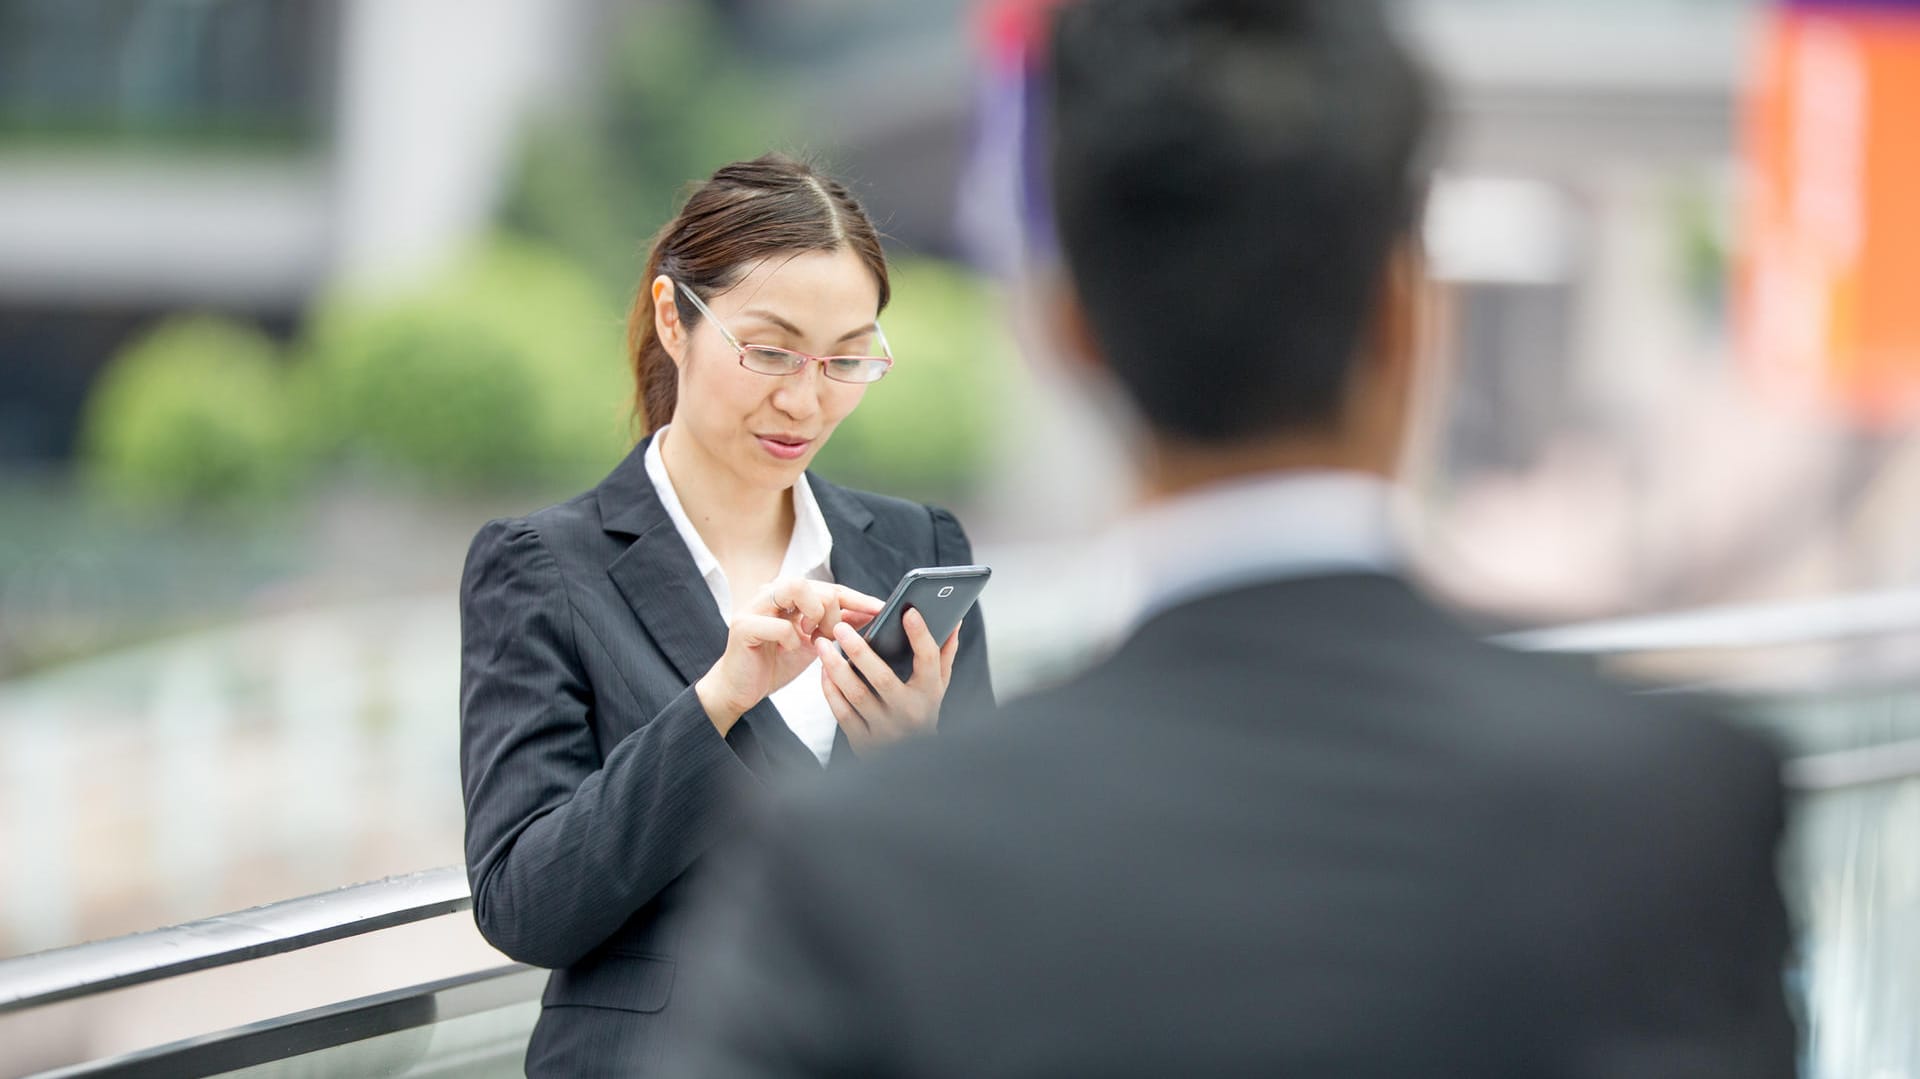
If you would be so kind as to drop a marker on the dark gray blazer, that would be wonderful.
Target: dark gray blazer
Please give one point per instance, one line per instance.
(1308, 828)
(595, 785)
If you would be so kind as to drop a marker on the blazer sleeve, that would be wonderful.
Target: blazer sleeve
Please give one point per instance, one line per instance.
(1678, 968)
(970, 693)
(562, 847)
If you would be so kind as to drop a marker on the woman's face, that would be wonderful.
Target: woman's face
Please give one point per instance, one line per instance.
(767, 428)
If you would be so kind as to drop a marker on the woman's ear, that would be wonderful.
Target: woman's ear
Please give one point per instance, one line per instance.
(666, 320)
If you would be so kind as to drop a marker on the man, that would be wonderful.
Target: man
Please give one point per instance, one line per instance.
(1300, 823)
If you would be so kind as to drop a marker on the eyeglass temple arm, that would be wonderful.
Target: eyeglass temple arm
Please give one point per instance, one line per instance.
(708, 315)
(878, 333)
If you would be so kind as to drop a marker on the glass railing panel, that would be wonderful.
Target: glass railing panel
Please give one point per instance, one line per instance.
(473, 1025)
(482, 1046)
(1852, 867)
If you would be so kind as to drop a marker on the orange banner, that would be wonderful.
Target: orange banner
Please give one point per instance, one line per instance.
(1829, 290)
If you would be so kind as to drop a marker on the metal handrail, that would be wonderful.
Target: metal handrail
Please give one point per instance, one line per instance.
(1849, 768)
(1748, 625)
(64, 973)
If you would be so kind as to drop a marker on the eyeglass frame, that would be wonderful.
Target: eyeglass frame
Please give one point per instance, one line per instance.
(886, 351)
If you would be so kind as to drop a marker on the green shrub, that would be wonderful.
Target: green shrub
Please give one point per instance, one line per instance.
(504, 372)
(193, 411)
(928, 429)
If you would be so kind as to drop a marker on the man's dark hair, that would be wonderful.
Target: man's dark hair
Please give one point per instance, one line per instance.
(1230, 178)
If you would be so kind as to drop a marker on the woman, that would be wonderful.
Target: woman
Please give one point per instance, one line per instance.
(636, 662)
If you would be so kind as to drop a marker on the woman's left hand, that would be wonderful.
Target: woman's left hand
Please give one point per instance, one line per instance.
(882, 708)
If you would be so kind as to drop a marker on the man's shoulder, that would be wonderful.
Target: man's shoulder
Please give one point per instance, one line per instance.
(1519, 727)
(1559, 735)
(1531, 711)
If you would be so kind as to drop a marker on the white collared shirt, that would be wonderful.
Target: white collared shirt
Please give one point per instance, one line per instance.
(801, 702)
(1243, 532)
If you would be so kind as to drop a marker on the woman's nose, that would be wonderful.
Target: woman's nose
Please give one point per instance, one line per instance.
(798, 394)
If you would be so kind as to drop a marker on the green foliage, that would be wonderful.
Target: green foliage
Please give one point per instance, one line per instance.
(192, 412)
(1700, 244)
(504, 373)
(677, 102)
(928, 430)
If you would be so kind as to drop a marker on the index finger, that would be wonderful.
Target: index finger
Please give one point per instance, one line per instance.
(853, 600)
(800, 601)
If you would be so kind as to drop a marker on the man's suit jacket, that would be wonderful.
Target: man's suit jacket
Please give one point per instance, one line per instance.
(1308, 828)
(595, 784)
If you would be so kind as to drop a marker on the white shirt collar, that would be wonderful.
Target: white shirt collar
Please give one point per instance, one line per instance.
(809, 551)
(1234, 534)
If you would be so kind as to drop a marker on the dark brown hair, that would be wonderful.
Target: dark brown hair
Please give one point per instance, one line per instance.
(746, 211)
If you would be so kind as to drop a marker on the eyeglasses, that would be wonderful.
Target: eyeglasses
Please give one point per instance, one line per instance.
(767, 360)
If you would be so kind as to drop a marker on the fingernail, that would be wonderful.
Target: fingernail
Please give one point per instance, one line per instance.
(843, 631)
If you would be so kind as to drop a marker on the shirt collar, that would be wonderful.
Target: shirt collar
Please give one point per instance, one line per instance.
(809, 551)
(1243, 532)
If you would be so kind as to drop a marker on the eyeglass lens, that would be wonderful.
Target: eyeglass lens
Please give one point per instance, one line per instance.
(775, 361)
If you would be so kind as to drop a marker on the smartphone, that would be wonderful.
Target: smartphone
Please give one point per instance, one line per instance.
(942, 594)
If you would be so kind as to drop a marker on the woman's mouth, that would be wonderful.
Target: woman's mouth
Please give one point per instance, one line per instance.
(785, 447)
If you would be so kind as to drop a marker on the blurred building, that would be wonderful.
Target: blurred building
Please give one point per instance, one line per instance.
(156, 155)
(160, 155)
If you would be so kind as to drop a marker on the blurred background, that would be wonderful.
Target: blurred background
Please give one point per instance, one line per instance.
(295, 294)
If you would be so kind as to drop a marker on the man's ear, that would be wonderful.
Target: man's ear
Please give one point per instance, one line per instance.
(1399, 316)
(666, 320)
(1068, 327)
(1390, 375)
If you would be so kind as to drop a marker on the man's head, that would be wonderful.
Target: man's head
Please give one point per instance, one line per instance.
(1236, 183)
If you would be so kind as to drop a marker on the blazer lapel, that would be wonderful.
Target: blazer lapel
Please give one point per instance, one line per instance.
(861, 560)
(656, 574)
(658, 579)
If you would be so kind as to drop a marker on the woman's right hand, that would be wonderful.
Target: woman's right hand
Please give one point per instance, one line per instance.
(770, 644)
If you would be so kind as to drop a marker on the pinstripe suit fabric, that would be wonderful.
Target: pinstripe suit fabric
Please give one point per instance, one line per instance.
(595, 786)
